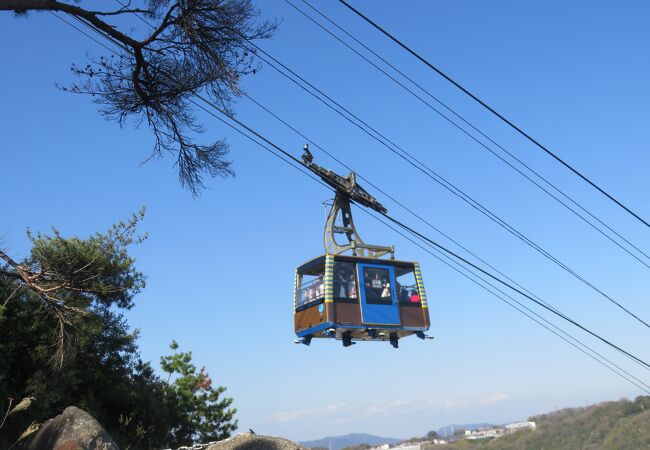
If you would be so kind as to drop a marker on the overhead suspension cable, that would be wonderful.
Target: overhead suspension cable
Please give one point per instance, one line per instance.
(445, 250)
(386, 194)
(453, 123)
(494, 112)
(430, 173)
(454, 255)
(559, 332)
(426, 222)
(289, 158)
(506, 284)
(451, 253)
(471, 136)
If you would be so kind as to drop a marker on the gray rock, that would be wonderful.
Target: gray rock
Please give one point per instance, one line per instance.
(75, 429)
(248, 441)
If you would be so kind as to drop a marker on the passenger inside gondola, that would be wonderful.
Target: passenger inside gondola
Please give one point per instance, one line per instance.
(377, 286)
(345, 286)
(312, 290)
(408, 290)
(403, 293)
(386, 291)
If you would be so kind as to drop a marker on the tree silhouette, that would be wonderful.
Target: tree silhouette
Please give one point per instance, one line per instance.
(192, 47)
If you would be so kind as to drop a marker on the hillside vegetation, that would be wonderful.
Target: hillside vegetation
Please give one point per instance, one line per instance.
(612, 425)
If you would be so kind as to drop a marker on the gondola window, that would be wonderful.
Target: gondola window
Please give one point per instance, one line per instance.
(376, 283)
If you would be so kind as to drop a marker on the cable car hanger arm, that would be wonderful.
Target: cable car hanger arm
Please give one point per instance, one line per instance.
(347, 190)
(347, 185)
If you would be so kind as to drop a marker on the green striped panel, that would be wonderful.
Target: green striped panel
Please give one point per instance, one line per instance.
(328, 279)
(295, 291)
(420, 283)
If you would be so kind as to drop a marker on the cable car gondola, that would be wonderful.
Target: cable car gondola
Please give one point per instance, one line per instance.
(360, 296)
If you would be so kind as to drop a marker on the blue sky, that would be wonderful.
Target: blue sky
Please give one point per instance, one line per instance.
(220, 267)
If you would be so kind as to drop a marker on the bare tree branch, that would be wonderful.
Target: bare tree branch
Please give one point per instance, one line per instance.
(202, 44)
(63, 312)
(122, 11)
(74, 278)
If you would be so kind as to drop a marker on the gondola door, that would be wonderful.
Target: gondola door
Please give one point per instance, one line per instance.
(377, 289)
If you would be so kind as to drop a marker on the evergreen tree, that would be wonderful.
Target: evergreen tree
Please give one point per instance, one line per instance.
(201, 413)
(64, 300)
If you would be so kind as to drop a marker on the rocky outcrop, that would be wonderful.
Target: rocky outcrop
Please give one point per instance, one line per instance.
(74, 429)
(250, 441)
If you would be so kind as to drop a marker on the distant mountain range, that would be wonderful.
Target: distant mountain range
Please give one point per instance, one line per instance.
(339, 442)
(622, 424)
(449, 430)
(349, 440)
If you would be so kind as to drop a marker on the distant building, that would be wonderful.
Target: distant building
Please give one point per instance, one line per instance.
(518, 426)
(495, 432)
(484, 433)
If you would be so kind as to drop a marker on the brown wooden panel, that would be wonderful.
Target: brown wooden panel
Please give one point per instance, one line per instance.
(347, 313)
(308, 318)
(412, 316)
(427, 319)
(329, 311)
